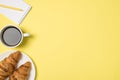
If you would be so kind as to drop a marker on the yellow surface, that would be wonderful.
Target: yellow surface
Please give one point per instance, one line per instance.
(72, 39)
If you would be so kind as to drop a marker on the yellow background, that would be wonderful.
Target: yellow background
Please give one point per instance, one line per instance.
(72, 39)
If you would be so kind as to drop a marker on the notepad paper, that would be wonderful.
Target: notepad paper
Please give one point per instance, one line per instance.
(15, 10)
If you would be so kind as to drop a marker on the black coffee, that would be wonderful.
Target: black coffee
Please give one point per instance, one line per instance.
(11, 36)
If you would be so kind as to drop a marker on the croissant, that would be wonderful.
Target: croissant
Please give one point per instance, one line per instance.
(22, 72)
(8, 65)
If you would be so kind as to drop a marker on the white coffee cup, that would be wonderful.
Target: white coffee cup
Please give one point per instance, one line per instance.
(12, 36)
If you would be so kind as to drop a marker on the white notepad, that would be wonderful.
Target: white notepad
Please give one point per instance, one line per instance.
(9, 8)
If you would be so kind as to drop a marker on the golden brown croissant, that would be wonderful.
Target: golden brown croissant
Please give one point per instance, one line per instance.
(22, 72)
(7, 65)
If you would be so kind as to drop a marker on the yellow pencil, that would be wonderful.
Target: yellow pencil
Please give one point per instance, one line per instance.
(9, 7)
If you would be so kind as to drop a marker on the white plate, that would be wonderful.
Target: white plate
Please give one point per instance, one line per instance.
(23, 59)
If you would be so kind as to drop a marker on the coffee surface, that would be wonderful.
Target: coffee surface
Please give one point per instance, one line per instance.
(11, 36)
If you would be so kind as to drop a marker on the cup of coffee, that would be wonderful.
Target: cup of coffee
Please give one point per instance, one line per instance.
(12, 36)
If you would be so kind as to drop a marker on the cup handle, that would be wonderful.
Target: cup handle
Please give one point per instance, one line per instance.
(26, 34)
